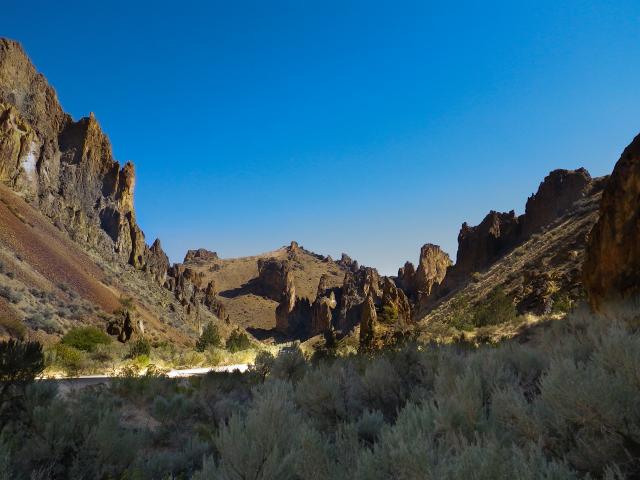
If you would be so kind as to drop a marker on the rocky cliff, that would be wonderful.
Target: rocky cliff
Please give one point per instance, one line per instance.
(65, 167)
(612, 264)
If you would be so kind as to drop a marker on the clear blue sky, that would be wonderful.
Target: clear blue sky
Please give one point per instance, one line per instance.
(363, 127)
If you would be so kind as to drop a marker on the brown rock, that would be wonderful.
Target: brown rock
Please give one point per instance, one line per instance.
(200, 254)
(356, 288)
(432, 268)
(368, 321)
(396, 299)
(556, 195)
(612, 263)
(406, 277)
(272, 278)
(322, 308)
(292, 313)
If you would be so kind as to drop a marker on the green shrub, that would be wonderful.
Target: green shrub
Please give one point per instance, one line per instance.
(20, 362)
(69, 359)
(210, 338)
(389, 314)
(238, 341)
(139, 347)
(85, 338)
(497, 309)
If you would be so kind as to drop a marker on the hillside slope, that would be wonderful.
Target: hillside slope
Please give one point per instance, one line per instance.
(540, 275)
(250, 299)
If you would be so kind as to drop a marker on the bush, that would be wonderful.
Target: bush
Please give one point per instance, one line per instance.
(139, 347)
(85, 338)
(40, 322)
(389, 314)
(238, 341)
(13, 326)
(210, 338)
(20, 362)
(10, 294)
(69, 359)
(498, 308)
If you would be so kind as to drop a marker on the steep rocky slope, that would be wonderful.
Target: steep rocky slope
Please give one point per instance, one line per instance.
(59, 172)
(612, 266)
(535, 258)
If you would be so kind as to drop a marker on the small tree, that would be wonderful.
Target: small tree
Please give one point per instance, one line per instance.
(238, 341)
(20, 364)
(210, 337)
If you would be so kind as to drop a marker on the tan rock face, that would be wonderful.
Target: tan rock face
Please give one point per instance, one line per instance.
(612, 264)
(322, 308)
(432, 268)
(292, 313)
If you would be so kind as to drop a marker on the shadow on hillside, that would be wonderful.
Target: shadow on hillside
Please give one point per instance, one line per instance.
(251, 287)
(263, 334)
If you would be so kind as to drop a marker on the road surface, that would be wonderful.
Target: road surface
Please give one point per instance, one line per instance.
(75, 383)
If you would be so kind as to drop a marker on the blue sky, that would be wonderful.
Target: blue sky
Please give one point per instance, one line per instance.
(364, 127)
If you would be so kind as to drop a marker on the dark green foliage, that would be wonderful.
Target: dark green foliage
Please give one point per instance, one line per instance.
(388, 314)
(85, 338)
(496, 309)
(562, 303)
(238, 341)
(20, 362)
(210, 338)
(139, 347)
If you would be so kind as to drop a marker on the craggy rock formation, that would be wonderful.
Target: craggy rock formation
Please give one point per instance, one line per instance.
(356, 288)
(368, 320)
(124, 326)
(347, 263)
(498, 233)
(201, 254)
(157, 263)
(322, 308)
(406, 278)
(395, 298)
(66, 168)
(273, 276)
(480, 246)
(432, 269)
(612, 264)
(556, 195)
(292, 313)
(190, 289)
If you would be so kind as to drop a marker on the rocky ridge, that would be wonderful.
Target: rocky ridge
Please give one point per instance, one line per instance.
(612, 264)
